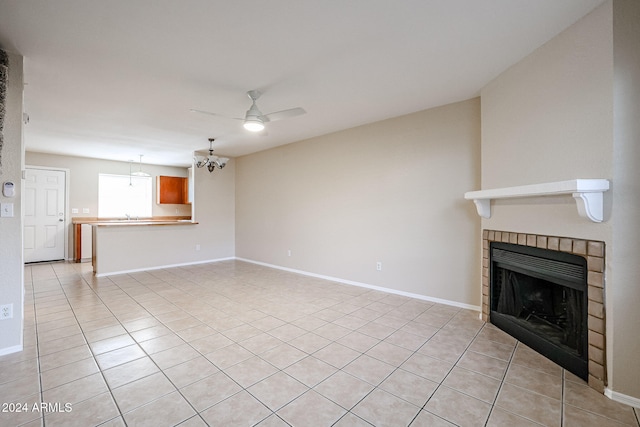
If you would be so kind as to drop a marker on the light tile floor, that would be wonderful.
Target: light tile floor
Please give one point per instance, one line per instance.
(233, 344)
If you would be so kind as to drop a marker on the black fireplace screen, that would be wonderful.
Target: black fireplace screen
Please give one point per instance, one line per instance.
(539, 296)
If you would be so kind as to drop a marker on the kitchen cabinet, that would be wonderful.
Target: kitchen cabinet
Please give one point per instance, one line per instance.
(172, 190)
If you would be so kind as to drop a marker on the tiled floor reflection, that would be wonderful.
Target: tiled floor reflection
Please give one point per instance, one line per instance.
(235, 344)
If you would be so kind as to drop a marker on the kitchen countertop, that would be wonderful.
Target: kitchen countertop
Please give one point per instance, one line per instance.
(163, 220)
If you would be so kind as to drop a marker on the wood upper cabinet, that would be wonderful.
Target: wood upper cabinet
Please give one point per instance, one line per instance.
(172, 190)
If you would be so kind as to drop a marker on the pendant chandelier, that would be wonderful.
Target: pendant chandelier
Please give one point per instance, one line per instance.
(212, 162)
(139, 171)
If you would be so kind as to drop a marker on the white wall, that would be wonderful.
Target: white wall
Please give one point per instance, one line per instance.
(555, 116)
(390, 191)
(11, 269)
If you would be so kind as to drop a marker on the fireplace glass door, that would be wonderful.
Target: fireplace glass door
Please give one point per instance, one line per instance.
(539, 297)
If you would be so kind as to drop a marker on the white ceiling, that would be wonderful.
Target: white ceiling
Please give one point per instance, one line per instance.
(114, 79)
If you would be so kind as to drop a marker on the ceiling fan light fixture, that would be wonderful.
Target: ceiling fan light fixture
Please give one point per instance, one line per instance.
(253, 124)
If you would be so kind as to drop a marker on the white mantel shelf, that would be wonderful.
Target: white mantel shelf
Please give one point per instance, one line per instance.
(586, 192)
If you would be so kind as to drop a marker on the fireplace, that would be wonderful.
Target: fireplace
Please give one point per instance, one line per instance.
(588, 343)
(539, 296)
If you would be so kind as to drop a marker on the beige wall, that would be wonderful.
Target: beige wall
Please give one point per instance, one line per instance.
(11, 270)
(624, 298)
(215, 210)
(390, 191)
(83, 183)
(549, 118)
(552, 117)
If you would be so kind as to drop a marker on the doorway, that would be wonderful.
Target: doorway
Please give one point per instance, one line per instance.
(44, 215)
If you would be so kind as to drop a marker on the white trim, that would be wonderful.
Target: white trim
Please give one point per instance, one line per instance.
(365, 285)
(586, 192)
(9, 350)
(622, 398)
(161, 267)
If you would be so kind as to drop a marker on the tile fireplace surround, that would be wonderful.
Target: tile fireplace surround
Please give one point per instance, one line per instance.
(593, 252)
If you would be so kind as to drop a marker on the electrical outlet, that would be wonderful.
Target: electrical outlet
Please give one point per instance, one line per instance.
(197, 247)
(289, 252)
(6, 311)
(379, 265)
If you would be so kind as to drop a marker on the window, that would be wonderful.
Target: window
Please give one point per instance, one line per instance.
(122, 195)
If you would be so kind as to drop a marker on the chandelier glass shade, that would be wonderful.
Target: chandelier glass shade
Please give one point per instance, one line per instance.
(211, 162)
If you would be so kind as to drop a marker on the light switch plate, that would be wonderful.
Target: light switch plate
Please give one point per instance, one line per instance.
(6, 210)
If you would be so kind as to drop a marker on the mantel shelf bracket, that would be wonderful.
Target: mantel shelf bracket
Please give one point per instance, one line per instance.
(588, 194)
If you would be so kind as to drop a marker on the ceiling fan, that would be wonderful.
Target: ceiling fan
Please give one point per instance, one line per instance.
(254, 120)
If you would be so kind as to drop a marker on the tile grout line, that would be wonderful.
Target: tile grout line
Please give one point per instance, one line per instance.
(93, 355)
(307, 355)
(37, 339)
(128, 333)
(198, 413)
(257, 355)
(35, 320)
(441, 383)
(396, 368)
(503, 380)
(375, 387)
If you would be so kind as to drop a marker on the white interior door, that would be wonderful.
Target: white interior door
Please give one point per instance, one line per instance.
(44, 215)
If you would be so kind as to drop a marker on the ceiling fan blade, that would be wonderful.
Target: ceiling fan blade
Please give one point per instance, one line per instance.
(209, 113)
(284, 114)
(193, 110)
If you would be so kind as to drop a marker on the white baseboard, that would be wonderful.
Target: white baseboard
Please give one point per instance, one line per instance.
(622, 398)
(161, 267)
(305, 273)
(9, 350)
(366, 285)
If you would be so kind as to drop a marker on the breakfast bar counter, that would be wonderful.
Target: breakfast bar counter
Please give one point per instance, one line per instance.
(77, 223)
(125, 247)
